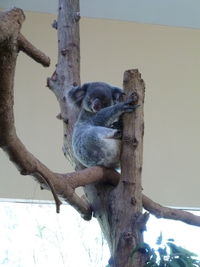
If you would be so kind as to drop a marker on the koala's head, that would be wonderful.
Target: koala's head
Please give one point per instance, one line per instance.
(95, 96)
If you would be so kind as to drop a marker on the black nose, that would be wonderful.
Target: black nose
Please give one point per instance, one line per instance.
(96, 105)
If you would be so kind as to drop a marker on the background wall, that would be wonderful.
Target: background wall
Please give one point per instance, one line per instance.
(169, 61)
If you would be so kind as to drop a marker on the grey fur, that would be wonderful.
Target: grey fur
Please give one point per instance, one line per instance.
(94, 142)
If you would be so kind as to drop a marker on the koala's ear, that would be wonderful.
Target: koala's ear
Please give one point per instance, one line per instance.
(76, 94)
(117, 94)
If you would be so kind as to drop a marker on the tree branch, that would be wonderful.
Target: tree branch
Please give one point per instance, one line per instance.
(63, 185)
(170, 213)
(93, 175)
(29, 49)
(26, 163)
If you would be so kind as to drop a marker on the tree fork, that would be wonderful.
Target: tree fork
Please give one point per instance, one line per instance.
(11, 42)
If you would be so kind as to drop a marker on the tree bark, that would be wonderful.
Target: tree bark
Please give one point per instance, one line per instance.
(128, 226)
(67, 73)
(119, 209)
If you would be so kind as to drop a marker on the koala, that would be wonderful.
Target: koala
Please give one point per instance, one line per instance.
(95, 141)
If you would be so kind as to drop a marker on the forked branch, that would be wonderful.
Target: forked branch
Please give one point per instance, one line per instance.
(64, 185)
(11, 41)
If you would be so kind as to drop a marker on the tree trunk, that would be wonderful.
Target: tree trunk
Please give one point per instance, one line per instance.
(119, 209)
(67, 73)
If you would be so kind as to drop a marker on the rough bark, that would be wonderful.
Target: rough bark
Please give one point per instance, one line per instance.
(119, 209)
(128, 226)
(67, 73)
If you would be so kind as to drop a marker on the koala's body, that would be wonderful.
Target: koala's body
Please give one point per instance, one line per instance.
(94, 141)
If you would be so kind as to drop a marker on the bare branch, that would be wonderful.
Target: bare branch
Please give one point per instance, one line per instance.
(93, 175)
(43, 175)
(9, 142)
(25, 46)
(170, 213)
(63, 185)
(60, 185)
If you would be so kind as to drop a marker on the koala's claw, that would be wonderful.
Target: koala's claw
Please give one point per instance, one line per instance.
(135, 106)
(129, 107)
(131, 103)
(133, 98)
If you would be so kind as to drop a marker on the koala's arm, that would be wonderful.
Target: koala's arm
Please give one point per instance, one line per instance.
(107, 116)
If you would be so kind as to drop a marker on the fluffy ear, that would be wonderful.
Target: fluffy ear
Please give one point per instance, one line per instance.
(117, 94)
(76, 94)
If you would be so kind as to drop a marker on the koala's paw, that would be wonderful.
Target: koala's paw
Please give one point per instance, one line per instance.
(131, 103)
(129, 106)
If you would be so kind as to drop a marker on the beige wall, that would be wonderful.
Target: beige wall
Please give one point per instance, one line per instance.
(169, 61)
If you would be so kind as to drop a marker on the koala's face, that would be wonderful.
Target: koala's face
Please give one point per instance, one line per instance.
(95, 96)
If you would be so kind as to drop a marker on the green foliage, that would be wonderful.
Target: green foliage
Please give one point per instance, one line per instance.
(169, 255)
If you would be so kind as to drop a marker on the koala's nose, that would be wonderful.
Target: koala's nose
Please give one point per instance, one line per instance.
(96, 105)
